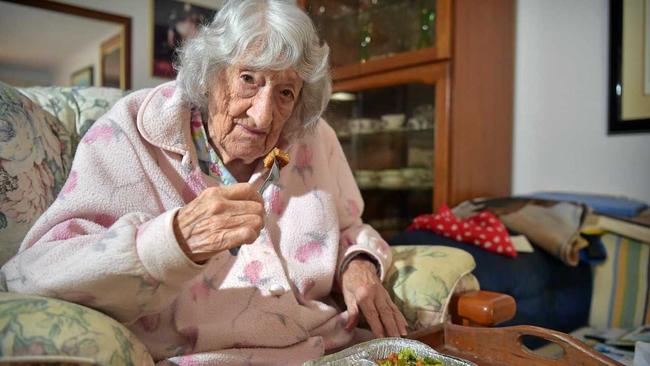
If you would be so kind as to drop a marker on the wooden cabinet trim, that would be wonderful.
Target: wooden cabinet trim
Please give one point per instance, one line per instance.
(425, 74)
(388, 63)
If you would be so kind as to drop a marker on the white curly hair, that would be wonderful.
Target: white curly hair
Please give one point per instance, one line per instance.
(260, 34)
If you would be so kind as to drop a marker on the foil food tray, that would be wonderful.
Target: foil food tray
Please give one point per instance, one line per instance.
(364, 353)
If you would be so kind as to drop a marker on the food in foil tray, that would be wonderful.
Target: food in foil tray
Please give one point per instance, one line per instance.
(407, 357)
(389, 351)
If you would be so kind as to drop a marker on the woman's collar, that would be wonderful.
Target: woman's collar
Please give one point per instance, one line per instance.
(163, 119)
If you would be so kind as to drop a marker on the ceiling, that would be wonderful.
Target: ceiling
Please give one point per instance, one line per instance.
(41, 39)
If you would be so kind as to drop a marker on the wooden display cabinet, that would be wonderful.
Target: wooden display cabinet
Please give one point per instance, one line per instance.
(454, 64)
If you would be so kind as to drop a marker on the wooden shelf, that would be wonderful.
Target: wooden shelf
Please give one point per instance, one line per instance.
(388, 63)
(428, 73)
(470, 68)
(346, 136)
(426, 187)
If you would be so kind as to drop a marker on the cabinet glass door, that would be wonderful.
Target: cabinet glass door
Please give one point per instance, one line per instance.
(387, 135)
(360, 30)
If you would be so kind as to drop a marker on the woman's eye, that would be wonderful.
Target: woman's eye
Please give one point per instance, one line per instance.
(288, 93)
(249, 79)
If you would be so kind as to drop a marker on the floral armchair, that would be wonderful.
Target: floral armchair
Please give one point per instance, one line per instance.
(40, 128)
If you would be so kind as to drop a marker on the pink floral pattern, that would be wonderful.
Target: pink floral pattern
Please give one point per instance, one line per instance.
(149, 323)
(187, 360)
(67, 230)
(201, 288)
(194, 185)
(104, 219)
(276, 202)
(303, 163)
(253, 273)
(98, 133)
(168, 91)
(312, 249)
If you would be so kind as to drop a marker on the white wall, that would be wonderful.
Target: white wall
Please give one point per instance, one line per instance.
(560, 135)
(19, 75)
(138, 10)
(140, 13)
(89, 55)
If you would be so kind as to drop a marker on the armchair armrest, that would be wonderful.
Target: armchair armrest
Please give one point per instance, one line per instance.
(481, 308)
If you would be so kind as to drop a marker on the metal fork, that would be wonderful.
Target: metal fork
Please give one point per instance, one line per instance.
(274, 175)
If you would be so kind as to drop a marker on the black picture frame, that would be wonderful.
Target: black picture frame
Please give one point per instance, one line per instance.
(616, 124)
(167, 16)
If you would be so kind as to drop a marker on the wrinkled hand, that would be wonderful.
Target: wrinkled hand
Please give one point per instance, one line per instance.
(363, 290)
(218, 219)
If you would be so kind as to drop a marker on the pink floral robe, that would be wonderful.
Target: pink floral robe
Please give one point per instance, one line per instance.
(107, 242)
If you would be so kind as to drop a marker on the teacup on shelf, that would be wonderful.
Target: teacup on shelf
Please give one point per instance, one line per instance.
(417, 177)
(392, 122)
(366, 178)
(391, 178)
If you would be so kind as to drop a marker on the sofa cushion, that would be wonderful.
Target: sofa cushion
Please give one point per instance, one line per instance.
(35, 158)
(423, 278)
(76, 108)
(44, 330)
(548, 293)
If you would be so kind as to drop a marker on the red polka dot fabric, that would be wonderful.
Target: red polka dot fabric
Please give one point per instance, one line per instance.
(484, 230)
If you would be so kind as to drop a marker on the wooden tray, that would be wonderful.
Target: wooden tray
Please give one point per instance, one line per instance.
(503, 346)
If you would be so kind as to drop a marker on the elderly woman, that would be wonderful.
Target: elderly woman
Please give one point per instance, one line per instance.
(166, 183)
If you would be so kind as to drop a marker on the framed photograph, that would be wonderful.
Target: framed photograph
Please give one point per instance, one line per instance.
(629, 66)
(173, 22)
(83, 77)
(112, 62)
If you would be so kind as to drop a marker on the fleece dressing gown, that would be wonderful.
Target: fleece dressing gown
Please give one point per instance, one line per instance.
(108, 242)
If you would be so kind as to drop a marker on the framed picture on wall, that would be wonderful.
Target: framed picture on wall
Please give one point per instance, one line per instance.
(112, 62)
(629, 66)
(82, 77)
(173, 22)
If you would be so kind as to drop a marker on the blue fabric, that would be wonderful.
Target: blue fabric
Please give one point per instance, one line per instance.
(595, 252)
(603, 204)
(548, 293)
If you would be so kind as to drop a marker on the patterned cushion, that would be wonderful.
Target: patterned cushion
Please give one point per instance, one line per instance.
(35, 158)
(39, 329)
(423, 278)
(76, 108)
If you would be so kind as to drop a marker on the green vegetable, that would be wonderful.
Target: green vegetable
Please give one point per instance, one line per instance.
(407, 357)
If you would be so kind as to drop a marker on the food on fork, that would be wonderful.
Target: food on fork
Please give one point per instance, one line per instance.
(276, 155)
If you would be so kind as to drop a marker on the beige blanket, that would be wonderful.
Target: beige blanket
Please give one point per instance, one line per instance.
(554, 226)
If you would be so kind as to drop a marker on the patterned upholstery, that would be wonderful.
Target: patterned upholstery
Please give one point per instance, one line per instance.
(423, 278)
(35, 158)
(50, 330)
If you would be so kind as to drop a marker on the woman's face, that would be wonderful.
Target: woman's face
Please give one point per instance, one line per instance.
(248, 110)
